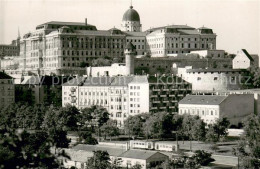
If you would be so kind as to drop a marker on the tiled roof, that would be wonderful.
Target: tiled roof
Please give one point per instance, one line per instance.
(189, 32)
(44, 80)
(215, 70)
(135, 33)
(112, 151)
(79, 155)
(203, 99)
(5, 76)
(106, 81)
(138, 154)
(66, 23)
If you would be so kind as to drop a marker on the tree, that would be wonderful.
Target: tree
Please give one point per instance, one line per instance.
(221, 127)
(102, 62)
(64, 118)
(134, 124)
(100, 160)
(248, 149)
(25, 150)
(87, 138)
(199, 129)
(110, 128)
(158, 125)
(202, 158)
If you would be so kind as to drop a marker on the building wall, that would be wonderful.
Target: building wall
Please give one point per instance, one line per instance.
(9, 50)
(208, 113)
(210, 53)
(113, 70)
(170, 65)
(241, 61)
(7, 95)
(212, 81)
(237, 107)
(165, 97)
(139, 42)
(138, 98)
(129, 162)
(162, 43)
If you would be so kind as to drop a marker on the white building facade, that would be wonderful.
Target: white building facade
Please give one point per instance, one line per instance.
(121, 96)
(235, 107)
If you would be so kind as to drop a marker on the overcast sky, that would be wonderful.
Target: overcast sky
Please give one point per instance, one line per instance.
(236, 22)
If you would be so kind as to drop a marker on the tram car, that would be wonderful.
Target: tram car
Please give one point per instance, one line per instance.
(154, 145)
(142, 144)
(165, 146)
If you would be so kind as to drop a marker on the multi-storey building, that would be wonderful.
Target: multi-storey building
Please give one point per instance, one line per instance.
(66, 48)
(40, 89)
(210, 80)
(179, 39)
(125, 96)
(6, 90)
(166, 92)
(210, 108)
(9, 50)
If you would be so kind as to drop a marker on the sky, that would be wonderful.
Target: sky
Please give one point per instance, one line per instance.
(236, 22)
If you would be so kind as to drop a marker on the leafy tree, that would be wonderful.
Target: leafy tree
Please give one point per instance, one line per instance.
(87, 138)
(64, 118)
(134, 125)
(100, 160)
(221, 127)
(199, 129)
(158, 125)
(110, 128)
(25, 150)
(187, 127)
(202, 158)
(254, 75)
(101, 62)
(248, 149)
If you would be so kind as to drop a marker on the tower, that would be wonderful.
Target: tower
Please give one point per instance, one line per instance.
(131, 21)
(130, 54)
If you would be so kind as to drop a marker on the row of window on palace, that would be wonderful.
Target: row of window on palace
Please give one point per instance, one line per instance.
(8, 47)
(91, 53)
(183, 45)
(88, 39)
(182, 39)
(199, 112)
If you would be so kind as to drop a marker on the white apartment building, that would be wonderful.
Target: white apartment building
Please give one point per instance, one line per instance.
(7, 93)
(122, 96)
(212, 107)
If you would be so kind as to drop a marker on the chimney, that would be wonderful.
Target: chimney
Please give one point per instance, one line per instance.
(86, 21)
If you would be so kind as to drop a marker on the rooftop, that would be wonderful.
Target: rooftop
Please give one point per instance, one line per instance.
(65, 23)
(106, 81)
(203, 99)
(112, 151)
(3, 75)
(138, 154)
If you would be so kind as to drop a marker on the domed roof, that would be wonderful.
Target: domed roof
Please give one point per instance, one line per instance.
(131, 15)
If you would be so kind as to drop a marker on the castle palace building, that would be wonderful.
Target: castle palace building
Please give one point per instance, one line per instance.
(166, 40)
(67, 48)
